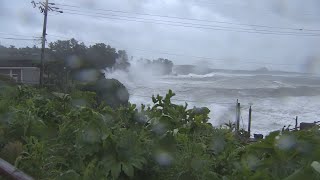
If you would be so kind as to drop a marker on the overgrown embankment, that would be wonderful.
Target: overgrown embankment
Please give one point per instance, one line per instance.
(57, 136)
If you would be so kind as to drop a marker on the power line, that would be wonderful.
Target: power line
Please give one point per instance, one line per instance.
(18, 35)
(19, 39)
(230, 4)
(194, 19)
(204, 25)
(201, 27)
(68, 38)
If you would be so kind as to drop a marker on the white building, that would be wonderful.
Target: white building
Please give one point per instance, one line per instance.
(23, 71)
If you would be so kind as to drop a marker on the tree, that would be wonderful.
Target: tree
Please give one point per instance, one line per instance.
(109, 91)
(100, 56)
(122, 61)
(61, 57)
(165, 64)
(64, 50)
(69, 58)
(159, 66)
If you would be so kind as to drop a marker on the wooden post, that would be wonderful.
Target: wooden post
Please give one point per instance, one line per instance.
(238, 116)
(67, 78)
(249, 123)
(296, 126)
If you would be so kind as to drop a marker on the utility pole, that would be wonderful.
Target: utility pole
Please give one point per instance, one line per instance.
(44, 8)
(249, 121)
(238, 112)
(44, 33)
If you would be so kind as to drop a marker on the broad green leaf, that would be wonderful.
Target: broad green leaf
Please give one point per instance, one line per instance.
(116, 170)
(137, 165)
(128, 170)
(71, 174)
(297, 175)
(154, 100)
(316, 166)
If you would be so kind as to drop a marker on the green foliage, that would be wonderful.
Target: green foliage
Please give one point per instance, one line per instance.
(66, 58)
(108, 91)
(70, 59)
(11, 151)
(6, 80)
(159, 66)
(51, 135)
(283, 154)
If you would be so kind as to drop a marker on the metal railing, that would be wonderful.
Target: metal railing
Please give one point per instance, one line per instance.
(11, 172)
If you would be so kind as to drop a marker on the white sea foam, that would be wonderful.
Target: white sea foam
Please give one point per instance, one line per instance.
(275, 100)
(191, 75)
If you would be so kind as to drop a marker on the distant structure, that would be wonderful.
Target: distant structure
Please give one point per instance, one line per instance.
(21, 70)
(263, 69)
(191, 69)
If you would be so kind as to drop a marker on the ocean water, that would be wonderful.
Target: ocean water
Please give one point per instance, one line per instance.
(275, 99)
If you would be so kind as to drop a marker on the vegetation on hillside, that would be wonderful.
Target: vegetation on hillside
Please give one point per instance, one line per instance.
(158, 67)
(67, 61)
(51, 135)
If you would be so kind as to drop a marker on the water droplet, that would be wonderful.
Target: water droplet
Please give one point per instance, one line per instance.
(218, 145)
(79, 102)
(74, 62)
(87, 75)
(252, 161)
(163, 158)
(123, 94)
(316, 166)
(312, 65)
(90, 136)
(286, 142)
(159, 128)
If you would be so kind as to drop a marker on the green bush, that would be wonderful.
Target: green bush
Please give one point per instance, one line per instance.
(109, 92)
(6, 80)
(53, 136)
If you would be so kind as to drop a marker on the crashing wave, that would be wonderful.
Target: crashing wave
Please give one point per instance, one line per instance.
(191, 75)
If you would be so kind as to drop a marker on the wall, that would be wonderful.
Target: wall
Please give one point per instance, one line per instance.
(30, 75)
(5, 71)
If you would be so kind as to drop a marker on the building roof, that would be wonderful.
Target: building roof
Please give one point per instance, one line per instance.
(17, 63)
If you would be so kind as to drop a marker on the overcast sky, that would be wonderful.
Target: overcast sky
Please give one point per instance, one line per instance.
(223, 48)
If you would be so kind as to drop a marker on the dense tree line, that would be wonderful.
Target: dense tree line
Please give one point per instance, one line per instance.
(65, 59)
(99, 55)
(70, 64)
(12, 52)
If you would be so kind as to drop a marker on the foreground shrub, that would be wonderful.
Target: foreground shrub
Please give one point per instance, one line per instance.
(60, 136)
